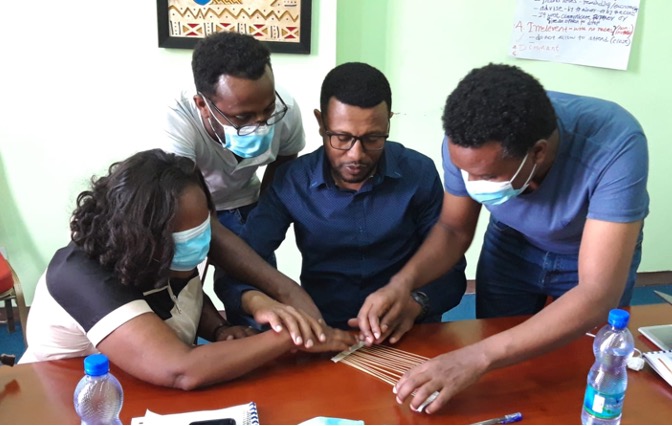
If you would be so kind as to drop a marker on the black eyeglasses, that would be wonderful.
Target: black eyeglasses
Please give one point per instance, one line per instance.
(345, 141)
(248, 129)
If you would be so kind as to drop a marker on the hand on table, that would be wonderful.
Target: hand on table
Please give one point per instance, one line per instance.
(382, 313)
(297, 297)
(336, 341)
(448, 374)
(303, 328)
(392, 327)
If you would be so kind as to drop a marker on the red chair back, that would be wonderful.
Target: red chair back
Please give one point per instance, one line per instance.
(6, 280)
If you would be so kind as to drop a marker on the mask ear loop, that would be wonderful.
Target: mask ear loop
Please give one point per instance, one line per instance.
(210, 121)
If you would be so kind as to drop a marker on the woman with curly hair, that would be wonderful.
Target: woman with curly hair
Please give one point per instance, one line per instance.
(127, 283)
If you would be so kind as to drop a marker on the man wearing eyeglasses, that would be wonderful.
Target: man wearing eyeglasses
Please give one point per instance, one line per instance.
(233, 122)
(360, 205)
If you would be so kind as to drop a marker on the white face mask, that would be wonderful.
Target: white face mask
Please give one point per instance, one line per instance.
(495, 193)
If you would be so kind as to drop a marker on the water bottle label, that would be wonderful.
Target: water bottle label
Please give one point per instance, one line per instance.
(602, 405)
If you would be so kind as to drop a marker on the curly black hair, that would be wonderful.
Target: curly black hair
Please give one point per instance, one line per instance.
(124, 221)
(499, 103)
(356, 84)
(227, 53)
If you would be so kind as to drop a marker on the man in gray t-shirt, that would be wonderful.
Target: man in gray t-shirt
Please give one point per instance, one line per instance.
(232, 122)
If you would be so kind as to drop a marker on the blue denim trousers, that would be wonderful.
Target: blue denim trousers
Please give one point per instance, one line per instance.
(513, 277)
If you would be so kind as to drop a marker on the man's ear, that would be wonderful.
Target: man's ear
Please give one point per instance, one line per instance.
(540, 151)
(202, 107)
(320, 123)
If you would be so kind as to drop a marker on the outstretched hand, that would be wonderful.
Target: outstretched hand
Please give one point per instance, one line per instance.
(447, 374)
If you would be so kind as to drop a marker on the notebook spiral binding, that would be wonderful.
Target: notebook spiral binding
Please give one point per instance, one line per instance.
(252, 416)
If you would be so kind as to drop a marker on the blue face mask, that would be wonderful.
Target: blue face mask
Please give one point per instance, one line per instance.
(495, 193)
(191, 247)
(248, 146)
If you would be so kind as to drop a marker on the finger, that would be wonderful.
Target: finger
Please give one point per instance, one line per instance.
(251, 331)
(392, 315)
(318, 328)
(271, 318)
(363, 322)
(354, 323)
(290, 323)
(405, 386)
(306, 325)
(374, 322)
(398, 332)
(343, 339)
(426, 402)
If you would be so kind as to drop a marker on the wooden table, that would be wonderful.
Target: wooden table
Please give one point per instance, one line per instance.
(547, 390)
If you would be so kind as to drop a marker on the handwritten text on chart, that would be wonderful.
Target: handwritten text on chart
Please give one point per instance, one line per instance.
(576, 27)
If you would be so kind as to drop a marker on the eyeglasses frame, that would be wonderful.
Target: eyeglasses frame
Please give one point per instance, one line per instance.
(353, 139)
(254, 126)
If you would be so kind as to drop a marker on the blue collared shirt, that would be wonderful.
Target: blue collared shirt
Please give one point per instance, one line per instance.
(351, 242)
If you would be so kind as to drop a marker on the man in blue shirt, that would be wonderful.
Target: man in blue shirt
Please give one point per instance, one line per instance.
(360, 205)
(564, 178)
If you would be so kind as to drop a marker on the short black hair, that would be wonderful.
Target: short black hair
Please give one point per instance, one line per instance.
(500, 103)
(125, 221)
(356, 84)
(227, 53)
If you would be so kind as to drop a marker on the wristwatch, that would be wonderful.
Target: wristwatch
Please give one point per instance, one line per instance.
(422, 300)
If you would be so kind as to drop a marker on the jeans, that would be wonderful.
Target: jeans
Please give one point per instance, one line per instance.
(513, 277)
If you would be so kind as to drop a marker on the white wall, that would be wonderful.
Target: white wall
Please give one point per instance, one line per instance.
(84, 85)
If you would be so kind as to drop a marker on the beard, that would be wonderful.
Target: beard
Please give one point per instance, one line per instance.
(353, 172)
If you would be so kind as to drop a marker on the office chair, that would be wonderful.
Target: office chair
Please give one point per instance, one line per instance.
(10, 289)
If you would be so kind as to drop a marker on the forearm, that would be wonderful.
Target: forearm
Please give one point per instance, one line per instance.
(605, 258)
(230, 252)
(211, 320)
(565, 319)
(150, 350)
(223, 361)
(241, 262)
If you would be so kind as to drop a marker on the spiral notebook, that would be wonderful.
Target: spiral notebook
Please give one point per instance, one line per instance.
(661, 362)
(244, 414)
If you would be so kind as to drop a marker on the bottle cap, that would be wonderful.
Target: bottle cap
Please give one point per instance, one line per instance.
(619, 318)
(96, 365)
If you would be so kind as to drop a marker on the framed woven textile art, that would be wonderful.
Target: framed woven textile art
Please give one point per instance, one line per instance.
(283, 25)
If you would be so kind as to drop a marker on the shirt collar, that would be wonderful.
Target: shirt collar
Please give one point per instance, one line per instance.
(388, 167)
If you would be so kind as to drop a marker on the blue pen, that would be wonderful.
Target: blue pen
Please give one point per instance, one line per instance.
(509, 418)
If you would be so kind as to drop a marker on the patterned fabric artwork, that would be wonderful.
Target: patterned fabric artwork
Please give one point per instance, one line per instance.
(266, 20)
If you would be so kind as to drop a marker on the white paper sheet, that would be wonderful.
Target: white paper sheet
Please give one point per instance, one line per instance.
(596, 33)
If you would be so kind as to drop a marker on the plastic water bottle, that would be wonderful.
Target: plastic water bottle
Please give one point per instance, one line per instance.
(98, 396)
(608, 377)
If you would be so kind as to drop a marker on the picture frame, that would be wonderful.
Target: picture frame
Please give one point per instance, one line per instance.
(283, 25)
